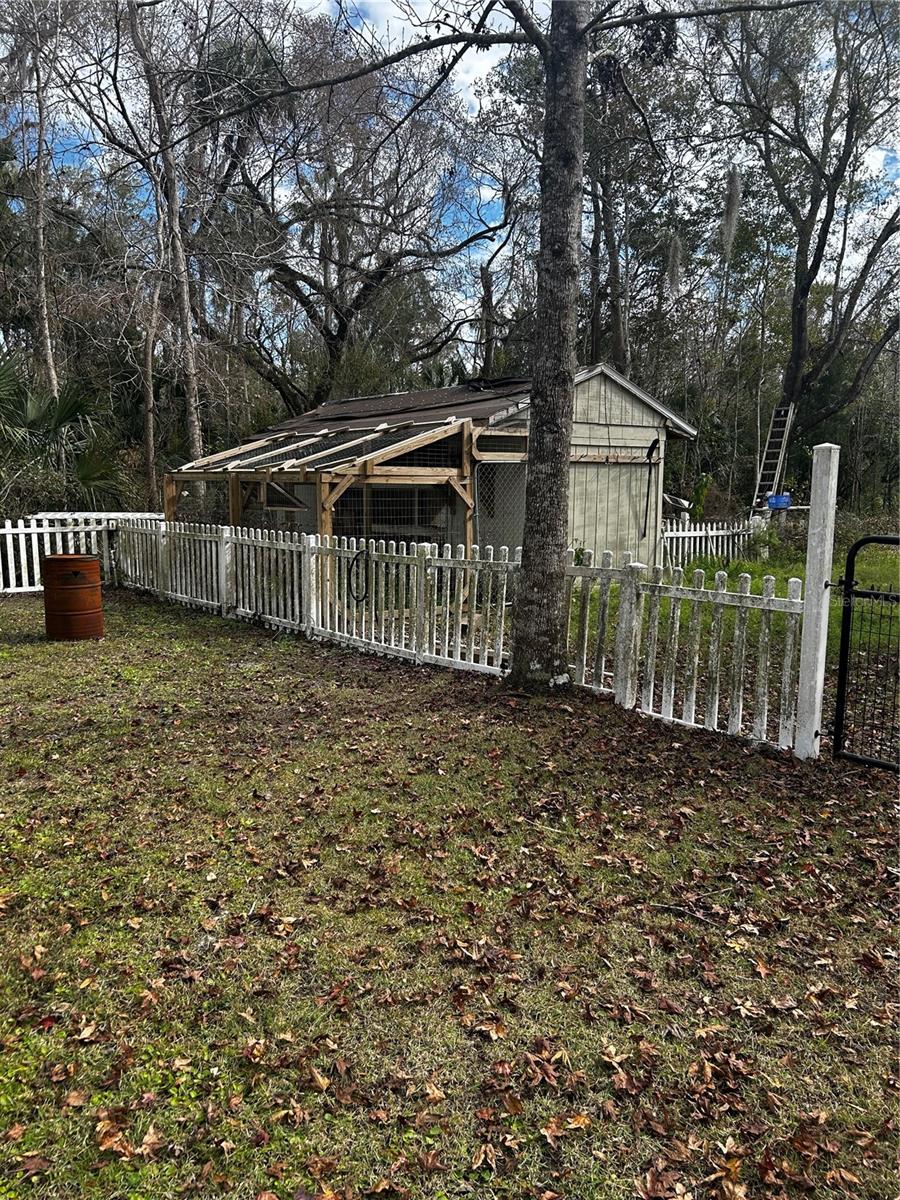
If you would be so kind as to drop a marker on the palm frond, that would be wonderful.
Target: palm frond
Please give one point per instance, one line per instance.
(71, 407)
(98, 473)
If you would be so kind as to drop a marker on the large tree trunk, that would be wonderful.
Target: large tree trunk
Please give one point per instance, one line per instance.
(596, 333)
(40, 234)
(176, 238)
(149, 395)
(539, 644)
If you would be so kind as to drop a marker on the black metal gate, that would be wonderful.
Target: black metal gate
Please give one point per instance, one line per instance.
(867, 709)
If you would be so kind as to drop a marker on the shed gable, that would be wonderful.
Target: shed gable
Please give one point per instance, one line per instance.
(601, 400)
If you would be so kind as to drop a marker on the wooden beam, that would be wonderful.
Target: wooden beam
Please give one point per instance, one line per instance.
(390, 476)
(171, 492)
(201, 463)
(414, 442)
(223, 477)
(469, 464)
(400, 474)
(335, 494)
(462, 490)
(323, 513)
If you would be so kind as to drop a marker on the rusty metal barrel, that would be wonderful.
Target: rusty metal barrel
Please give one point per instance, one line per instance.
(73, 604)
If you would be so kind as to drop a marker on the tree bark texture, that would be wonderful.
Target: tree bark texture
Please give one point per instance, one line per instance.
(40, 234)
(149, 396)
(540, 625)
(180, 271)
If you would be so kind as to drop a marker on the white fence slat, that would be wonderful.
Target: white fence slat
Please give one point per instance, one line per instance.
(487, 591)
(627, 634)
(472, 587)
(693, 652)
(788, 710)
(761, 698)
(606, 566)
(649, 666)
(736, 695)
(671, 652)
(459, 596)
(500, 608)
(714, 659)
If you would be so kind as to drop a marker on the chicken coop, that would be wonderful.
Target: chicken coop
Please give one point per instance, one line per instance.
(448, 465)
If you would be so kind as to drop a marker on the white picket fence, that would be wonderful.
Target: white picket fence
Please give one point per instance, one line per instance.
(695, 653)
(25, 543)
(699, 653)
(684, 541)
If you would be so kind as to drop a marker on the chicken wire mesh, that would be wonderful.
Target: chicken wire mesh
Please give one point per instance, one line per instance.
(499, 504)
(399, 513)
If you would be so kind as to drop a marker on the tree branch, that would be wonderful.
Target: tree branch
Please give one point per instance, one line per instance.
(599, 25)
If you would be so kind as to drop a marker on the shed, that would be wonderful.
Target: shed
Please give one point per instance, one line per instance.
(448, 465)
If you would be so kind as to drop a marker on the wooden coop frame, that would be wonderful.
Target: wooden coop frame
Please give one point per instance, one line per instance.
(364, 467)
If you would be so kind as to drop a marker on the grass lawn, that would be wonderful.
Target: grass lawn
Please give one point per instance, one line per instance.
(282, 920)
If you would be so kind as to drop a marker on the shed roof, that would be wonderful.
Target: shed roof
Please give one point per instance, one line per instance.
(477, 400)
(340, 432)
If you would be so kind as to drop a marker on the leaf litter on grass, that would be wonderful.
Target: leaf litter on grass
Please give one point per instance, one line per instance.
(283, 920)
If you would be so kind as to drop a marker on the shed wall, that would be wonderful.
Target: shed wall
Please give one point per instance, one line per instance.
(605, 414)
(606, 509)
(607, 501)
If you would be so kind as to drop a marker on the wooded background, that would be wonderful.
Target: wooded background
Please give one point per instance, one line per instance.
(194, 246)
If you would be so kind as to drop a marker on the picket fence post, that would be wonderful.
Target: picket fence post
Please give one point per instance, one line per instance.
(108, 540)
(227, 601)
(306, 587)
(816, 600)
(163, 557)
(628, 636)
(421, 573)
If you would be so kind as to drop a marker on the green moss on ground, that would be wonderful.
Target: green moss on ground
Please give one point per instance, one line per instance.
(280, 919)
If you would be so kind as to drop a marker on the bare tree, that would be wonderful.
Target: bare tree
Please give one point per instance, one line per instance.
(812, 94)
(161, 106)
(31, 28)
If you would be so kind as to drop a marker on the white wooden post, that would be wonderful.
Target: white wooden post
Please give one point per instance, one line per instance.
(627, 637)
(421, 561)
(817, 598)
(306, 585)
(226, 571)
(163, 584)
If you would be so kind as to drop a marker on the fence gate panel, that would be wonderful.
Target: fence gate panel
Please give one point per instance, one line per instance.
(867, 709)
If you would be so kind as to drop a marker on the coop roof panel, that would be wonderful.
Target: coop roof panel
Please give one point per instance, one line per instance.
(395, 438)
